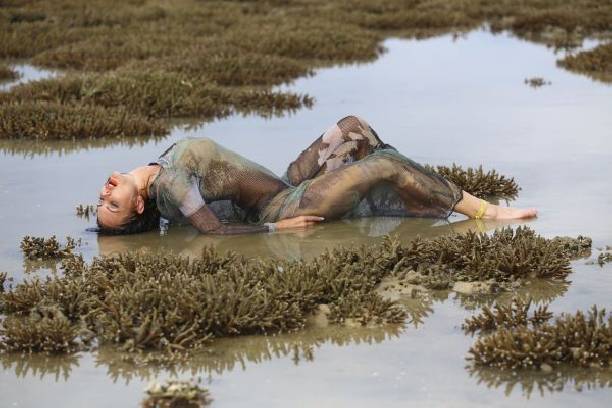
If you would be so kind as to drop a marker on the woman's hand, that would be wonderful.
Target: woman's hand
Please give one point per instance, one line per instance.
(298, 222)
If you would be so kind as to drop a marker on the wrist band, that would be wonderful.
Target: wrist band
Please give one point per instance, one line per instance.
(482, 210)
(271, 226)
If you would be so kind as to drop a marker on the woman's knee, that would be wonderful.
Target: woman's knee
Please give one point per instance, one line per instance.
(354, 125)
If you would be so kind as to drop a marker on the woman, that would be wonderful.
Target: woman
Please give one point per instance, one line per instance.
(347, 172)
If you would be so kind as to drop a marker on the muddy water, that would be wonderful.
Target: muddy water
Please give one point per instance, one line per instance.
(438, 101)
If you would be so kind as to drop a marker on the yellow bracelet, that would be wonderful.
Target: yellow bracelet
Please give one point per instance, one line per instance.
(482, 210)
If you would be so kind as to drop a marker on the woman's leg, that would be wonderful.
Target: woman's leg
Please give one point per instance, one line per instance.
(338, 192)
(423, 193)
(475, 207)
(349, 140)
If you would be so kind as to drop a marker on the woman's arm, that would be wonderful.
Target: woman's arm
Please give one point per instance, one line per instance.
(207, 222)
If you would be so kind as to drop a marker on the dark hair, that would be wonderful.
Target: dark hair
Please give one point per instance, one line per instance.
(148, 220)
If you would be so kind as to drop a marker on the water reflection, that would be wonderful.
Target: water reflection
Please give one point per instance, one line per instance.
(529, 383)
(299, 243)
(220, 356)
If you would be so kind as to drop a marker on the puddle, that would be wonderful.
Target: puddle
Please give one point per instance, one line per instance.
(26, 73)
(438, 101)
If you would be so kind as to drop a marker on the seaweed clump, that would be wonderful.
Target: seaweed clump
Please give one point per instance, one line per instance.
(176, 394)
(7, 73)
(583, 340)
(596, 63)
(38, 248)
(478, 182)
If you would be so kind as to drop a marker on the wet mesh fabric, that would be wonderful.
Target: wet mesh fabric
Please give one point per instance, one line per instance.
(347, 172)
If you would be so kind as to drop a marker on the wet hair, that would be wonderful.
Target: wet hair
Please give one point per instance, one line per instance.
(147, 221)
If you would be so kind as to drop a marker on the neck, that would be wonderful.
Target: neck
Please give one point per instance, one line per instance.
(144, 177)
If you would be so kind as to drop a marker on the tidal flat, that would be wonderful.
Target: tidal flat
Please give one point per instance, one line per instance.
(554, 140)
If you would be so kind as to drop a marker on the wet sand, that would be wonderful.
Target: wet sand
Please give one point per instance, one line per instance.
(438, 101)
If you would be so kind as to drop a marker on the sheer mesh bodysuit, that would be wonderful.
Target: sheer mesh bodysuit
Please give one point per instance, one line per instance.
(347, 172)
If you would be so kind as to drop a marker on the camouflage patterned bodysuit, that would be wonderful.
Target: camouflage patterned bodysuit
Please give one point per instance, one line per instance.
(347, 172)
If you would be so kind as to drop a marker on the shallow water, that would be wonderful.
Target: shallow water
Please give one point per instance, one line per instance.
(438, 101)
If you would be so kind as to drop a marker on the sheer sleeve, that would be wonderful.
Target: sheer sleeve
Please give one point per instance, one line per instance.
(207, 223)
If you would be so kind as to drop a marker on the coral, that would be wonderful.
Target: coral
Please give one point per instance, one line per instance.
(604, 257)
(7, 73)
(508, 316)
(536, 82)
(578, 340)
(479, 183)
(38, 248)
(596, 63)
(53, 121)
(208, 59)
(84, 211)
(506, 257)
(176, 394)
(44, 330)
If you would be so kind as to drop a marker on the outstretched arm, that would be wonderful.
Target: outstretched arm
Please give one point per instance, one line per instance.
(207, 223)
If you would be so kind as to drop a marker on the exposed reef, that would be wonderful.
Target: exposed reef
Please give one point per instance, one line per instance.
(207, 59)
(7, 73)
(519, 341)
(478, 182)
(167, 302)
(596, 63)
(53, 121)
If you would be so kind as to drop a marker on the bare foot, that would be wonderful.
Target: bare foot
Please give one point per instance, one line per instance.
(495, 212)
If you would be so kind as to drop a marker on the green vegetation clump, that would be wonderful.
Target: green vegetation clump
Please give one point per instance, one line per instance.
(583, 340)
(7, 73)
(53, 121)
(508, 316)
(38, 248)
(596, 63)
(176, 394)
(479, 183)
(167, 302)
(207, 59)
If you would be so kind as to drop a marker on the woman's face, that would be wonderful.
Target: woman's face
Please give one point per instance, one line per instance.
(117, 200)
